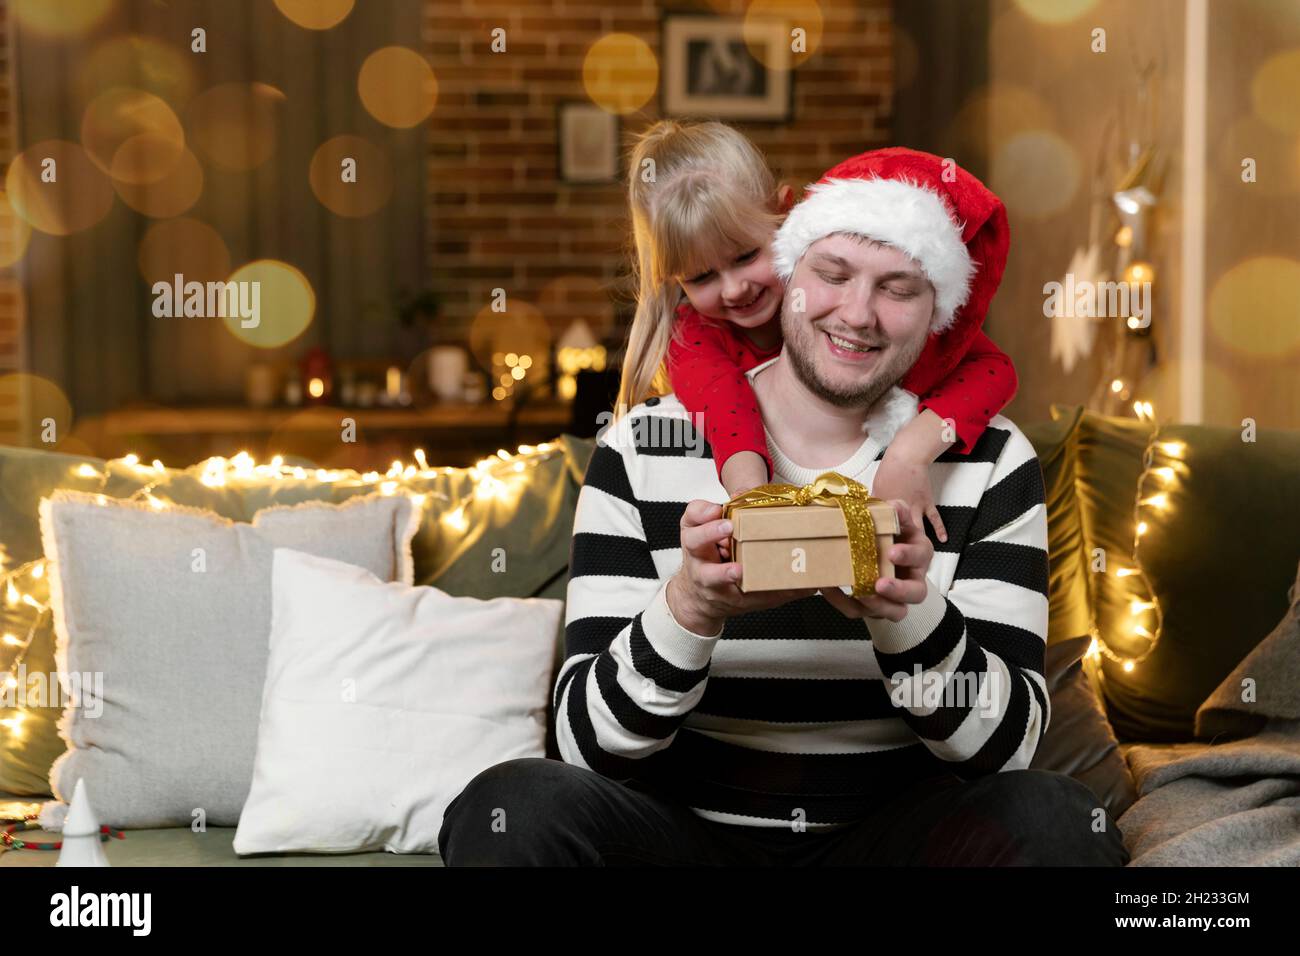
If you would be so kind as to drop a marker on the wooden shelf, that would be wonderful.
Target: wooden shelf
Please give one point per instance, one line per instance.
(456, 434)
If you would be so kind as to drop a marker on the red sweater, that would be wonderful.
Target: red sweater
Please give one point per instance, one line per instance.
(707, 362)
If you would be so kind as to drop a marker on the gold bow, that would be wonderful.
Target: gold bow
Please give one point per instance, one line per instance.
(836, 491)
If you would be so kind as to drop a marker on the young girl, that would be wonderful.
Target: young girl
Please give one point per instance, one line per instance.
(705, 207)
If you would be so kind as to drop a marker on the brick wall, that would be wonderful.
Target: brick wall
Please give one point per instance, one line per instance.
(498, 214)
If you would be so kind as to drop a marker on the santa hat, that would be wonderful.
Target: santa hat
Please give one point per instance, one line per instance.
(956, 230)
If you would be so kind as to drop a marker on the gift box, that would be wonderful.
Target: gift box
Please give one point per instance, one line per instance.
(783, 545)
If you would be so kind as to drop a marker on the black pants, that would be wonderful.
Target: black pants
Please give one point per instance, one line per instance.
(537, 812)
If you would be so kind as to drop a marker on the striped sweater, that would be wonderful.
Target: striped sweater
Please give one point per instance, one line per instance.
(787, 715)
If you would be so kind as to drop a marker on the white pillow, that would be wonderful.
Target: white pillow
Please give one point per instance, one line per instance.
(382, 701)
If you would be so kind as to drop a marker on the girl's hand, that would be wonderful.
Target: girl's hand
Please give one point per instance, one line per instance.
(742, 471)
(909, 480)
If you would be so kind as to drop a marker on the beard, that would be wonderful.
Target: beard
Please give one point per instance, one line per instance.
(896, 359)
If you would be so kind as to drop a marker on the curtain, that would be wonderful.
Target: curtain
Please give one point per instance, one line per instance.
(91, 327)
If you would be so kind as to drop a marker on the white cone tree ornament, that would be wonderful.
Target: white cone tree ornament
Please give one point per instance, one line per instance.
(81, 845)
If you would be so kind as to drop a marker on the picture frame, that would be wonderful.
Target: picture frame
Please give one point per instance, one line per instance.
(586, 142)
(709, 70)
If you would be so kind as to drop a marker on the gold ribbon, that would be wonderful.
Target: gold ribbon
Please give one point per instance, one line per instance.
(833, 490)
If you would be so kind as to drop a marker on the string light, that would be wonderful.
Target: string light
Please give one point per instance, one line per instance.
(1141, 528)
(219, 472)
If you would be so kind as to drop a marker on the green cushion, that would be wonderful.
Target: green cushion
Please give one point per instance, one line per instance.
(1220, 559)
(1067, 597)
(515, 544)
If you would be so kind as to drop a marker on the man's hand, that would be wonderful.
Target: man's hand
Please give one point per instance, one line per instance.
(911, 553)
(703, 593)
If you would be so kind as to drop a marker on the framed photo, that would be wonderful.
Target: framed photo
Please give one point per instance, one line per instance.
(710, 71)
(588, 143)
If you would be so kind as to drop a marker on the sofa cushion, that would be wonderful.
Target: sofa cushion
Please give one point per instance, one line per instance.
(1220, 559)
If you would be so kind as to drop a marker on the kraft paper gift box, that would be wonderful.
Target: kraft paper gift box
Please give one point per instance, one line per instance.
(764, 540)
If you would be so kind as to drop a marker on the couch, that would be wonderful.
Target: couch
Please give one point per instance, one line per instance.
(1231, 511)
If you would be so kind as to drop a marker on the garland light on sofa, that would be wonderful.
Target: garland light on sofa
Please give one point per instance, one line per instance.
(26, 586)
(1161, 502)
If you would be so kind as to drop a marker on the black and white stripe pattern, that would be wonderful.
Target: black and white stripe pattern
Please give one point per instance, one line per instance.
(787, 716)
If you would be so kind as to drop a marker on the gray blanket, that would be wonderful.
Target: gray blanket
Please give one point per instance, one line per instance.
(1234, 801)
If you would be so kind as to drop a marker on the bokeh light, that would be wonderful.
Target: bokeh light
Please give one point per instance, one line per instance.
(397, 86)
(521, 330)
(1276, 155)
(620, 73)
(995, 113)
(1055, 11)
(1253, 307)
(802, 14)
(132, 135)
(187, 247)
(1275, 91)
(170, 196)
(31, 400)
(234, 125)
(79, 196)
(316, 14)
(59, 19)
(141, 62)
(1036, 173)
(287, 304)
(373, 185)
(15, 233)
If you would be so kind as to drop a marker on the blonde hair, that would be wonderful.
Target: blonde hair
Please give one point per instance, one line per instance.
(694, 188)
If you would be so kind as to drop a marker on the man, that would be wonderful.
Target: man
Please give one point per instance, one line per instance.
(702, 725)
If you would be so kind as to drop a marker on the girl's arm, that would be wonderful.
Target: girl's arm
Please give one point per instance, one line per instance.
(953, 415)
(981, 385)
(706, 366)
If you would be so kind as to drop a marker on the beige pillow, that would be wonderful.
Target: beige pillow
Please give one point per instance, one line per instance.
(162, 621)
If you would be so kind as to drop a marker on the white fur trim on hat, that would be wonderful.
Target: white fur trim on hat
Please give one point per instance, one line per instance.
(907, 215)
